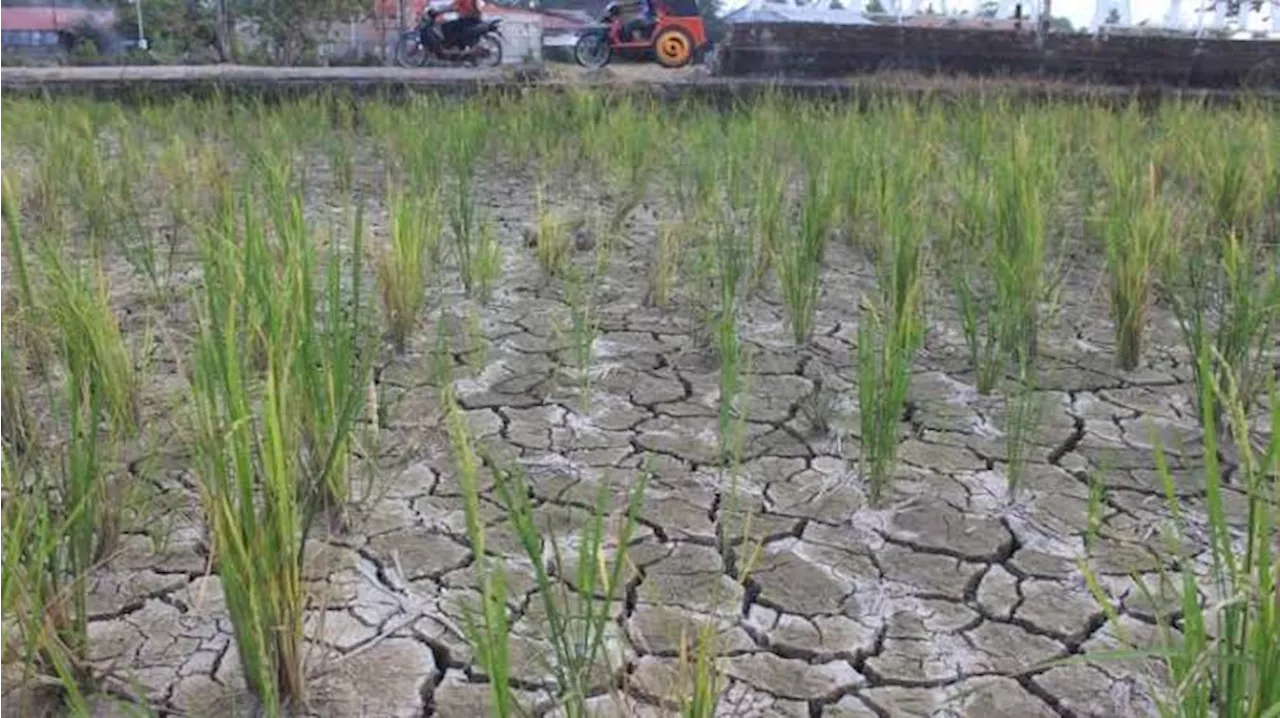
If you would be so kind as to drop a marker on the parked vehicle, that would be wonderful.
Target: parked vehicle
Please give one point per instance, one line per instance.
(38, 27)
(480, 47)
(677, 36)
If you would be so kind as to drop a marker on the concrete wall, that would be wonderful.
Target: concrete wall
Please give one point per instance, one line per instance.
(830, 50)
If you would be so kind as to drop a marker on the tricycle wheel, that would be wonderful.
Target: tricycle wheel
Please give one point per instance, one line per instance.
(592, 52)
(673, 48)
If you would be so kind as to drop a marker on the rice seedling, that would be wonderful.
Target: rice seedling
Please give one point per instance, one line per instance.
(623, 143)
(488, 633)
(584, 327)
(335, 363)
(801, 252)
(579, 606)
(405, 264)
(464, 143)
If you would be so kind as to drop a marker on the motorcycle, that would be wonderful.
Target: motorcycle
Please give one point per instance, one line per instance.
(674, 37)
(481, 46)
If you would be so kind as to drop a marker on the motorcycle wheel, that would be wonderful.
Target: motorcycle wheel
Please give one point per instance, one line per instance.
(592, 52)
(410, 52)
(487, 52)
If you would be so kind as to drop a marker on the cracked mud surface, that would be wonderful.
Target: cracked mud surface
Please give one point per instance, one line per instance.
(946, 599)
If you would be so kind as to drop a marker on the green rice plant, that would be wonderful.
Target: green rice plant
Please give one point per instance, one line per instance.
(14, 244)
(489, 633)
(801, 251)
(666, 262)
(17, 425)
(622, 143)
(60, 520)
(1020, 252)
(1136, 227)
(769, 180)
(886, 347)
(1225, 294)
(249, 445)
(552, 242)
(270, 443)
(88, 335)
(335, 365)
(1223, 657)
(1023, 412)
(891, 329)
(579, 608)
(463, 145)
(404, 265)
(584, 327)
(487, 262)
(1229, 182)
(48, 542)
(968, 236)
(698, 661)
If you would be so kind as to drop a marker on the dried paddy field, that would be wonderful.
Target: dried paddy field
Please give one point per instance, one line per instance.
(566, 405)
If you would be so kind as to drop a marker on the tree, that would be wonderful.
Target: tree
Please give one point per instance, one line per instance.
(1060, 24)
(988, 9)
(1113, 17)
(874, 7)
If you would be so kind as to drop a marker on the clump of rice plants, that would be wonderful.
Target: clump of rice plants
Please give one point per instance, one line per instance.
(270, 443)
(1224, 287)
(92, 346)
(405, 264)
(58, 517)
(1020, 179)
(891, 327)
(551, 240)
(464, 144)
(666, 263)
(487, 263)
(1135, 225)
(61, 509)
(799, 263)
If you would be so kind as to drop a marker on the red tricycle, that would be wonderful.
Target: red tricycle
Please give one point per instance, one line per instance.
(674, 35)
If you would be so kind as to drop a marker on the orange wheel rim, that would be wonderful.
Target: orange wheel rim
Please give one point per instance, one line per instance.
(673, 47)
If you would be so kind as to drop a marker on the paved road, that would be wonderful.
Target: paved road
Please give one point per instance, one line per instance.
(107, 81)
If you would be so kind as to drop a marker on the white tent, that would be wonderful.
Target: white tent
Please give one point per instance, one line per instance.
(794, 11)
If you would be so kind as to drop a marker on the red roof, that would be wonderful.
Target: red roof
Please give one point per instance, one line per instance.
(51, 17)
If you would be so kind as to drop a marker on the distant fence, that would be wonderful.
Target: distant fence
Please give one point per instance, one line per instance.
(814, 50)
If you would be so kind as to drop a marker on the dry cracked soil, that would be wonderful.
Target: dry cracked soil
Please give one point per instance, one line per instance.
(950, 597)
